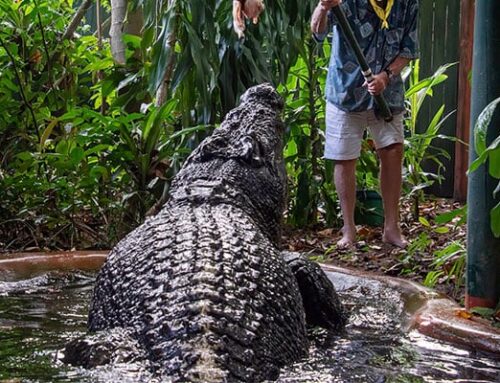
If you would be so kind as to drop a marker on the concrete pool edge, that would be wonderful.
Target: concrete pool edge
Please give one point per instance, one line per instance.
(428, 312)
(436, 315)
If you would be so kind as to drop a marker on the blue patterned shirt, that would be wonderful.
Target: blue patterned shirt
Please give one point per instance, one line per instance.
(344, 87)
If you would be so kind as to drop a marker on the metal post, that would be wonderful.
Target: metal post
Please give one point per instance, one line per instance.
(483, 249)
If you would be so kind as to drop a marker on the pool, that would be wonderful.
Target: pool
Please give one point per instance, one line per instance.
(44, 304)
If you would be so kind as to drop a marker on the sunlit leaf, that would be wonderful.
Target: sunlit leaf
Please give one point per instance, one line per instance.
(482, 125)
(494, 162)
(442, 230)
(47, 132)
(450, 215)
(495, 220)
(424, 221)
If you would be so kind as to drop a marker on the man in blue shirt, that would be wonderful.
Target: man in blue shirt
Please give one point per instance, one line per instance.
(387, 33)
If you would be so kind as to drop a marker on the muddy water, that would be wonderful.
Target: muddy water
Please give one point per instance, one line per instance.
(39, 313)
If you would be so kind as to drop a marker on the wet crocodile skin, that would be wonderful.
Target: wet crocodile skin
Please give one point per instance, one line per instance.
(202, 286)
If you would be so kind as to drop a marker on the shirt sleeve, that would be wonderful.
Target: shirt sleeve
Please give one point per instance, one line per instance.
(319, 37)
(409, 47)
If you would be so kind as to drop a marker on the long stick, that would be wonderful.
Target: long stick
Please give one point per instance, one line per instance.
(385, 112)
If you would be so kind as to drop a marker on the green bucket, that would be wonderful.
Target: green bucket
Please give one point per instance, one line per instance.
(369, 208)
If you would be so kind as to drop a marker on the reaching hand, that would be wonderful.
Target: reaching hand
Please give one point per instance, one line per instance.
(250, 9)
(329, 4)
(378, 85)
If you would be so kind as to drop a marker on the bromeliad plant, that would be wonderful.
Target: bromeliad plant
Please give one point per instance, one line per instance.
(419, 146)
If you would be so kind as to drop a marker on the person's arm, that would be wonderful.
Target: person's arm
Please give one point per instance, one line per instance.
(319, 20)
(250, 9)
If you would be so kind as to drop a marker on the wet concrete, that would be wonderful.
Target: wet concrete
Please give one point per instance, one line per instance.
(428, 312)
(431, 313)
(23, 265)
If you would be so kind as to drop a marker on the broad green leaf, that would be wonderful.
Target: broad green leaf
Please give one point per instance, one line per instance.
(133, 40)
(449, 216)
(102, 64)
(62, 147)
(495, 220)
(424, 221)
(442, 230)
(98, 149)
(25, 156)
(97, 172)
(162, 49)
(484, 155)
(482, 125)
(494, 162)
(291, 149)
(47, 132)
(77, 154)
(483, 311)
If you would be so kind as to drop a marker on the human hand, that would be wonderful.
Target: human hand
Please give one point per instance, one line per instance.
(378, 84)
(329, 4)
(250, 9)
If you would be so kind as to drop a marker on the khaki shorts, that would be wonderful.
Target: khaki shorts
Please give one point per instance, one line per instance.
(344, 132)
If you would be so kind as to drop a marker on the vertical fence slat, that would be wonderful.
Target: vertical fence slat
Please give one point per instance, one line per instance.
(464, 98)
(439, 32)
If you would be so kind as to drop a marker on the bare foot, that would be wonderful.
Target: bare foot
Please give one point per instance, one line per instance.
(395, 238)
(348, 238)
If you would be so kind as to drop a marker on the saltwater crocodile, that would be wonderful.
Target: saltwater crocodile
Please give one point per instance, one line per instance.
(201, 288)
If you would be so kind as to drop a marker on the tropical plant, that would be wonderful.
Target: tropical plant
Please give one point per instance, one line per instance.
(419, 147)
(87, 153)
(489, 154)
(311, 187)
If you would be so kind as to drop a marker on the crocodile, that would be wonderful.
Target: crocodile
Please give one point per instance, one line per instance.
(201, 290)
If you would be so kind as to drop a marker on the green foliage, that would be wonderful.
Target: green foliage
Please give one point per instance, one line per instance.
(75, 168)
(488, 154)
(419, 146)
(490, 314)
(210, 66)
(450, 261)
(84, 153)
(311, 187)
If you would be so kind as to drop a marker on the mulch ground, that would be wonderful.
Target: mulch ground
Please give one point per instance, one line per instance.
(417, 262)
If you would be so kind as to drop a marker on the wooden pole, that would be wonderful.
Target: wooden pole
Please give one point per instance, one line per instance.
(464, 98)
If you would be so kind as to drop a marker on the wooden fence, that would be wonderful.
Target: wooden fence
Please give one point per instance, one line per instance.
(446, 31)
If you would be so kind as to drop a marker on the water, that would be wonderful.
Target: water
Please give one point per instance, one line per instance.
(40, 313)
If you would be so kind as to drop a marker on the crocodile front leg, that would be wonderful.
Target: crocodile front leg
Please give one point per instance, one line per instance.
(321, 302)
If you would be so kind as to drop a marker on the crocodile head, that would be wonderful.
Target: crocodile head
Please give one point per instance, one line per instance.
(242, 161)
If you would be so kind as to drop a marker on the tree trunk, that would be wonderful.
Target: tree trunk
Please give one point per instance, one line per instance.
(118, 13)
(77, 18)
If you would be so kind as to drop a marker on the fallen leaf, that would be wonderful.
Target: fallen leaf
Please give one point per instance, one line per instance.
(462, 313)
(326, 233)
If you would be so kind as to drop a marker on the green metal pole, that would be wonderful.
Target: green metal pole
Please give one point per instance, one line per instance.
(483, 249)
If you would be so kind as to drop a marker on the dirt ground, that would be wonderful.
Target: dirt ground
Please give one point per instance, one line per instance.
(418, 262)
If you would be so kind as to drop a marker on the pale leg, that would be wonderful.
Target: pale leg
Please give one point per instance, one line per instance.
(391, 159)
(345, 183)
